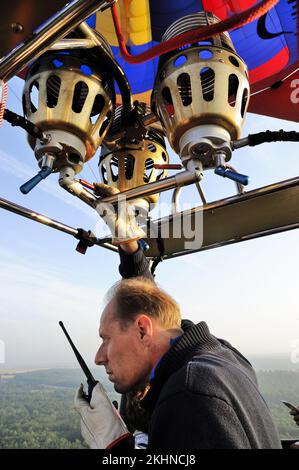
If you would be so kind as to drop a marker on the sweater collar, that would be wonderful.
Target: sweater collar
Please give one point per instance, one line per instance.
(195, 338)
(171, 342)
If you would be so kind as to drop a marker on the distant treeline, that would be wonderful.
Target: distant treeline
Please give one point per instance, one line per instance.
(36, 408)
(60, 377)
(277, 386)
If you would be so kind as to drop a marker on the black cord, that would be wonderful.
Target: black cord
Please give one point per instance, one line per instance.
(273, 136)
(86, 240)
(110, 64)
(161, 247)
(19, 121)
(121, 79)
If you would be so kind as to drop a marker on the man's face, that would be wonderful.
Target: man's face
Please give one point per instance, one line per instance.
(122, 352)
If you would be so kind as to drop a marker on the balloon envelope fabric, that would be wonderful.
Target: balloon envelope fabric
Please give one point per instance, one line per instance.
(269, 45)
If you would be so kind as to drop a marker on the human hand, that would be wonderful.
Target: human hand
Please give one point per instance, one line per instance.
(122, 219)
(101, 425)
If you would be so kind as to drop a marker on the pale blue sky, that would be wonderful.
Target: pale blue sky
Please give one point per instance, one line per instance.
(246, 292)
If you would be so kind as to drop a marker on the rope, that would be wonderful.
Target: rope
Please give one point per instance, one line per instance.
(3, 100)
(195, 35)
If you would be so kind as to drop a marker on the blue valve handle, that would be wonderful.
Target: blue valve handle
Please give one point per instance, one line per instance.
(238, 177)
(143, 245)
(41, 175)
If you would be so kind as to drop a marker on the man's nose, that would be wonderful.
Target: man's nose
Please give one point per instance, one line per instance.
(101, 358)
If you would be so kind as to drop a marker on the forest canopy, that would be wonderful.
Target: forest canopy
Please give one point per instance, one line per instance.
(36, 408)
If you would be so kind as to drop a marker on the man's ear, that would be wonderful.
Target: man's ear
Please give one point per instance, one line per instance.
(145, 327)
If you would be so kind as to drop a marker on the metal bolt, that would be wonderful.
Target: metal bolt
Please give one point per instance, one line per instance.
(219, 158)
(45, 139)
(17, 28)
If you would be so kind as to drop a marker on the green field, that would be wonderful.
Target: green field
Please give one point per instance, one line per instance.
(36, 408)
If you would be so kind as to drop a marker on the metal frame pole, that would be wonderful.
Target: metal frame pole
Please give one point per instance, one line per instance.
(64, 22)
(44, 220)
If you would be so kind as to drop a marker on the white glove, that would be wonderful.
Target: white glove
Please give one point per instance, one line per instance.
(101, 425)
(121, 219)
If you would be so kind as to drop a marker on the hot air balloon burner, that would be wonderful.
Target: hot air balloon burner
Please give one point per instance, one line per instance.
(201, 93)
(125, 165)
(71, 99)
